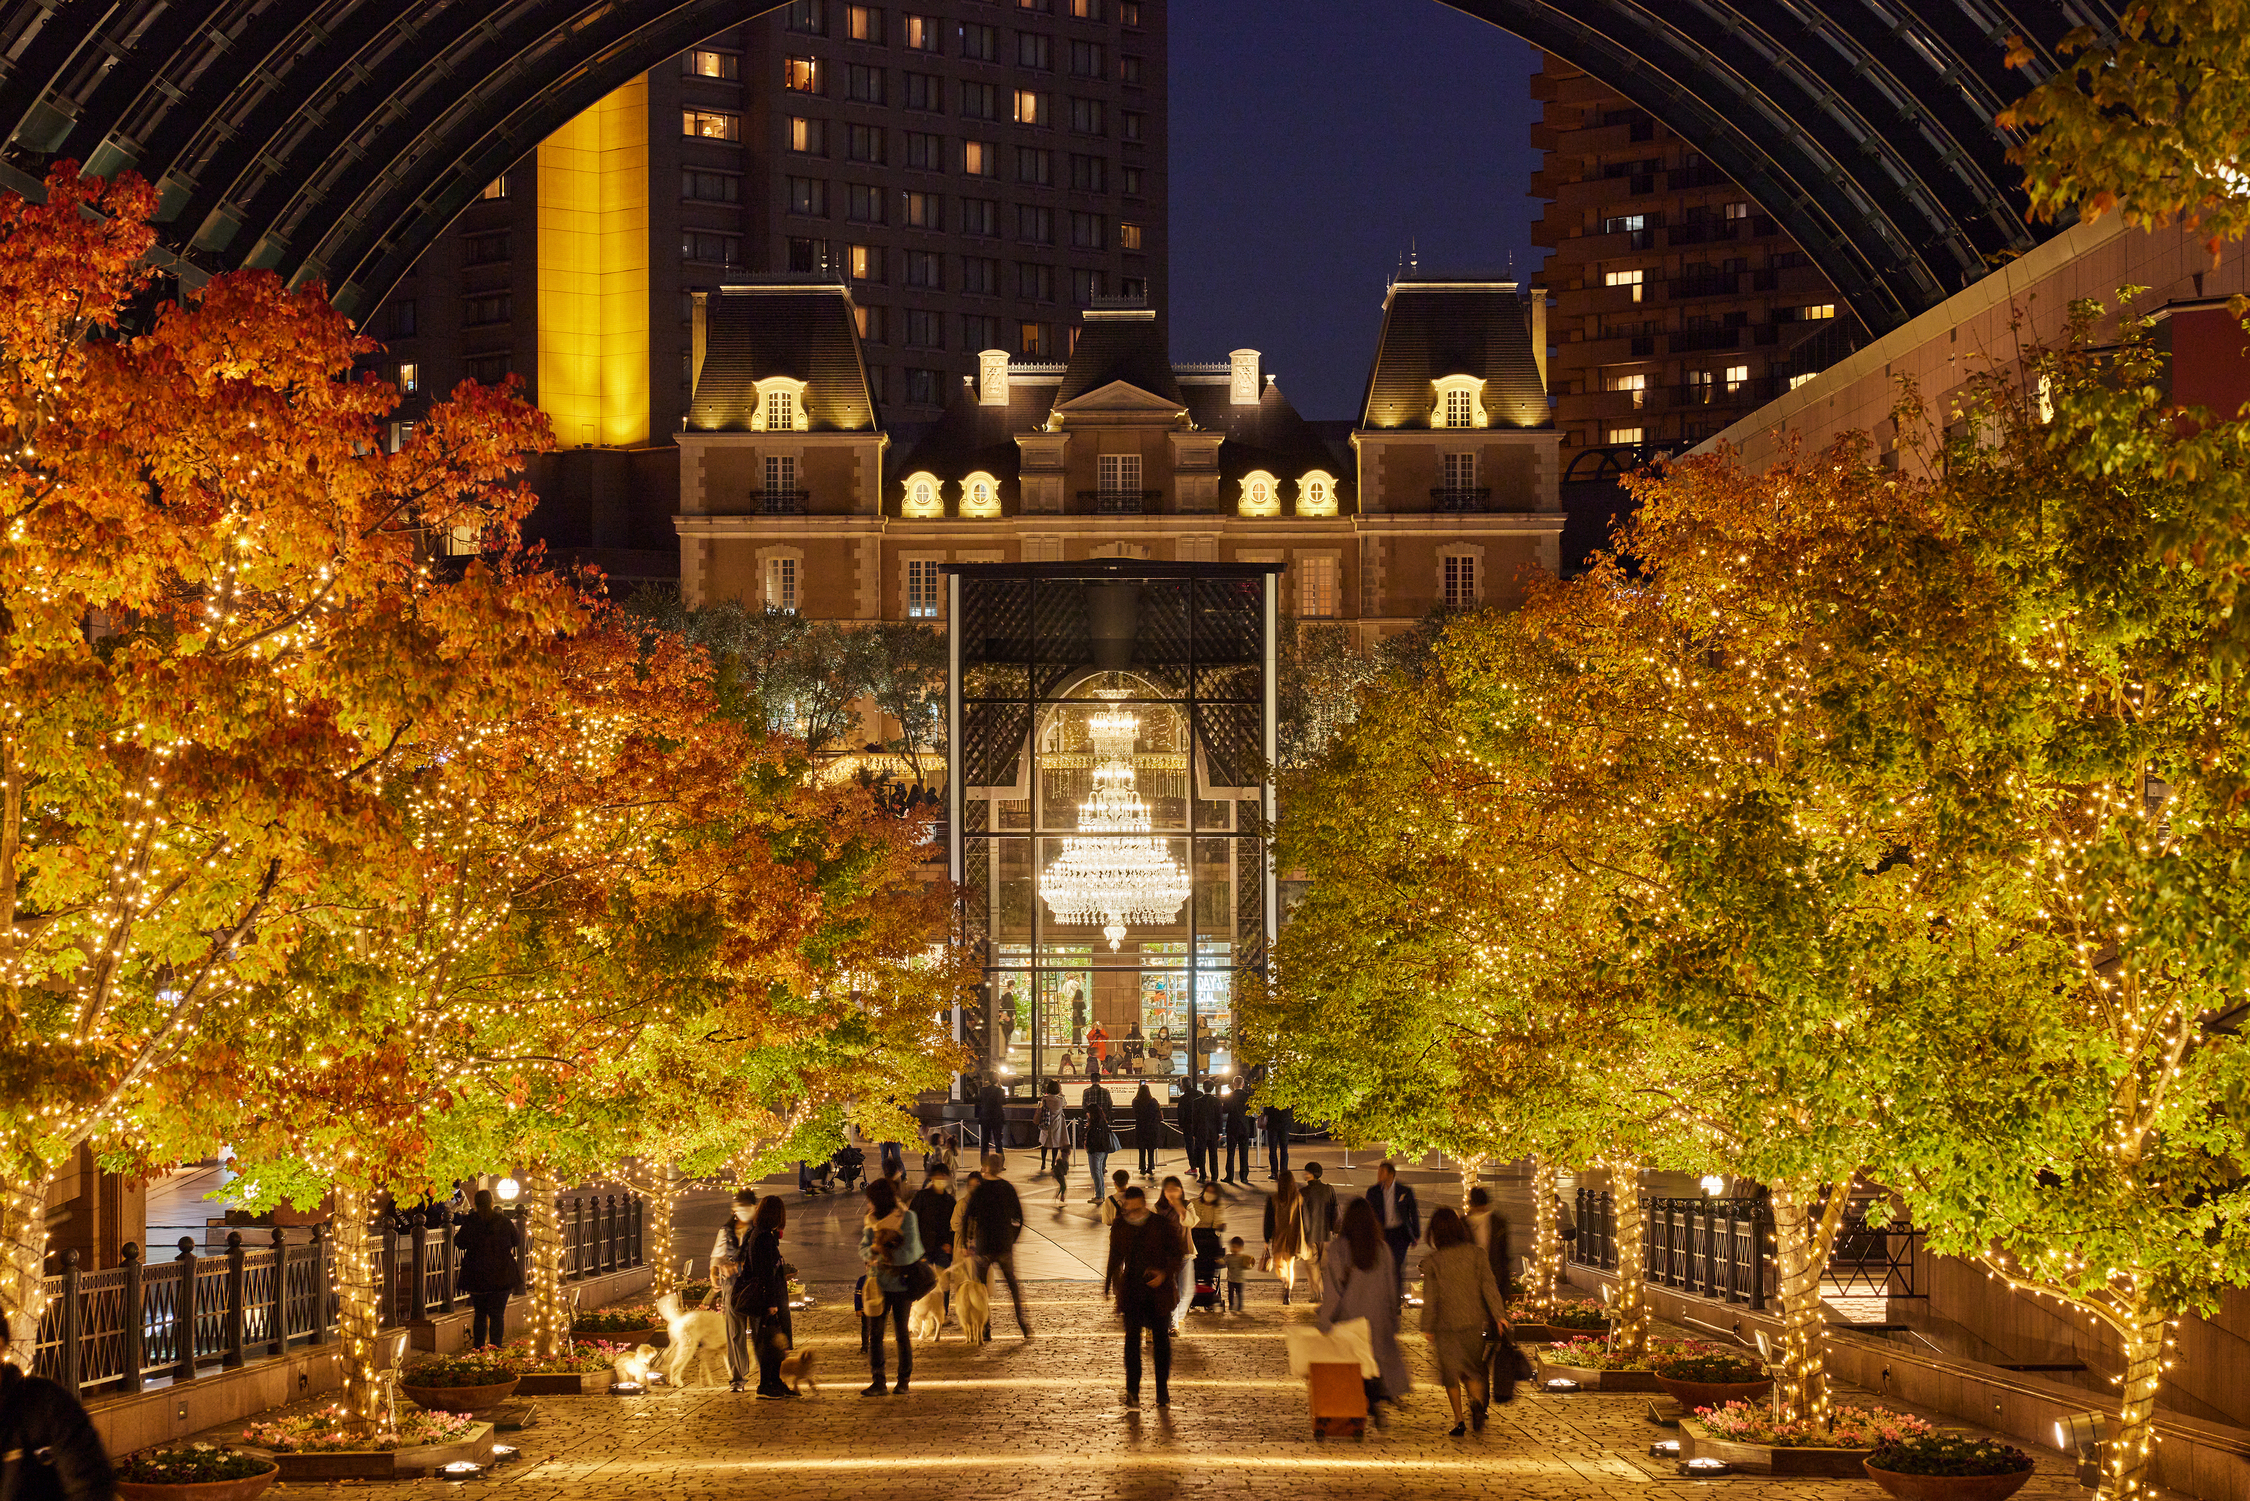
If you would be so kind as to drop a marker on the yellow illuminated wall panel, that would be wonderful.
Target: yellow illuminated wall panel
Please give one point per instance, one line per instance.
(593, 273)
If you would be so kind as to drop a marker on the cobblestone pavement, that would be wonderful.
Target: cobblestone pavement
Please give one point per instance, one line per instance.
(1043, 1420)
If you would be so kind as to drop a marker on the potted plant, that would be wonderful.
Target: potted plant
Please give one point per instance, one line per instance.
(1948, 1467)
(1574, 1316)
(641, 1321)
(581, 1370)
(1595, 1367)
(195, 1472)
(1699, 1376)
(468, 1382)
(327, 1445)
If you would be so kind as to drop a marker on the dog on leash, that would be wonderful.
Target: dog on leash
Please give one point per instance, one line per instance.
(796, 1368)
(699, 1341)
(636, 1367)
(972, 1300)
(926, 1320)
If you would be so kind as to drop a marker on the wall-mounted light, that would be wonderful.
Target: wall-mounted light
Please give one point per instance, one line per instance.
(508, 1189)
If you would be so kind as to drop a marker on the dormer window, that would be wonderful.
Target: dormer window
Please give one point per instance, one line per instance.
(980, 495)
(781, 406)
(922, 496)
(1316, 494)
(1261, 495)
(1460, 402)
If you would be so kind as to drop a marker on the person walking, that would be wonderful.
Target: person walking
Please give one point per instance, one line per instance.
(1460, 1300)
(1101, 1137)
(1363, 1285)
(1207, 1224)
(1141, 1272)
(1213, 1122)
(730, 1254)
(491, 1268)
(763, 1293)
(992, 1119)
(1236, 1108)
(51, 1451)
(932, 1207)
(1049, 1122)
(1148, 1128)
(1062, 1152)
(1401, 1219)
(889, 1241)
(1280, 1121)
(1316, 1222)
(1188, 1113)
(964, 1228)
(1172, 1203)
(1285, 1232)
(997, 1215)
(1489, 1229)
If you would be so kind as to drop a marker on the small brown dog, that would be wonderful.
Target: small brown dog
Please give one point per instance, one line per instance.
(797, 1369)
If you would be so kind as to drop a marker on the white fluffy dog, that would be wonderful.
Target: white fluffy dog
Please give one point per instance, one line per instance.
(699, 1340)
(926, 1320)
(972, 1300)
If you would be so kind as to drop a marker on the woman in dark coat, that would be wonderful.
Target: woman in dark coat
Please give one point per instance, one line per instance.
(762, 1293)
(1148, 1129)
(490, 1270)
(39, 1419)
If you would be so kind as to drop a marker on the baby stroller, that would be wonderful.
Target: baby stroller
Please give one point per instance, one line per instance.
(1206, 1297)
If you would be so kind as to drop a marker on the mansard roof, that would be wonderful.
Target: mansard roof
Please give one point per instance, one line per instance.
(1119, 344)
(1437, 326)
(801, 329)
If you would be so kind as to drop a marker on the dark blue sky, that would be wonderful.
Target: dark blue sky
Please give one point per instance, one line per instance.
(1312, 140)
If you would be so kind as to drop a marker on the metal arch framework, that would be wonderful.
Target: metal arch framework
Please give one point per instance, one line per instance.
(333, 140)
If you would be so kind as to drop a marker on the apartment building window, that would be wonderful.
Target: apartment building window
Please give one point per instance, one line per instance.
(1636, 383)
(781, 584)
(805, 255)
(488, 250)
(702, 245)
(1035, 283)
(800, 75)
(925, 92)
(1460, 581)
(921, 33)
(922, 594)
(1624, 224)
(864, 262)
(867, 204)
(1133, 288)
(1129, 70)
(497, 188)
(925, 211)
(490, 369)
(925, 152)
(1036, 340)
(981, 277)
(1738, 379)
(1699, 387)
(1035, 165)
(1046, 6)
(863, 23)
(980, 43)
(1623, 436)
(1086, 10)
(1088, 174)
(1129, 12)
(1119, 476)
(705, 63)
(1736, 211)
(409, 378)
(1132, 124)
(1799, 379)
(1034, 50)
(808, 16)
(925, 268)
(980, 331)
(492, 308)
(864, 143)
(402, 318)
(809, 195)
(1035, 225)
(710, 187)
(1086, 116)
(1089, 232)
(980, 101)
(925, 388)
(1031, 107)
(1085, 286)
(1128, 236)
(1624, 279)
(924, 329)
(873, 327)
(1814, 313)
(808, 137)
(980, 158)
(1132, 176)
(711, 124)
(863, 84)
(1086, 60)
(980, 217)
(1316, 588)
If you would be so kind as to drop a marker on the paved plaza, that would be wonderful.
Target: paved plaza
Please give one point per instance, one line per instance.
(1043, 1420)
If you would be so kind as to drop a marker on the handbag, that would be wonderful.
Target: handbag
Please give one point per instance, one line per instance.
(919, 1278)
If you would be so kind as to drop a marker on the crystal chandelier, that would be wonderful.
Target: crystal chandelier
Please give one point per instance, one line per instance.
(1123, 875)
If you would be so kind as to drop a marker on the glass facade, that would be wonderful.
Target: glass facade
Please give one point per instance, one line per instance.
(1112, 720)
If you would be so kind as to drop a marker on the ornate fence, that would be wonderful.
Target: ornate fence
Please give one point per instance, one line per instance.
(124, 1325)
(1721, 1248)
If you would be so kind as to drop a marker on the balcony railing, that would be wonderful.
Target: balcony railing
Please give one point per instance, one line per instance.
(1461, 498)
(1710, 284)
(779, 502)
(1696, 339)
(1119, 502)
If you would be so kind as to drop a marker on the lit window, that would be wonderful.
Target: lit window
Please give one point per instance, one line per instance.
(711, 124)
(865, 262)
(781, 584)
(922, 497)
(980, 158)
(1623, 435)
(781, 412)
(1636, 383)
(864, 23)
(703, 63)
(921, 589)
(1031, 107)
(1316, 588)
(1797, 380)
(922, 33)
(1460, 582)
(1624, 279)
(1817, 311)
(801, 75)
(1624, 224)
(1128, 237)
(497, 188)
(1738, 377)
(1459, 408)
(409, 379)
(808, 137)
(980, 496)
(1738, 211)
(1316, 494)
(1260, 495)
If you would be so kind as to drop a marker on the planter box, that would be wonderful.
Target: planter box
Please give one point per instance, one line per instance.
(458, 1398)
(1772, 1459)
(477, 1446)
(384, 1464)
(1593, 1379)
(1948, 1487)
(566, 1384)
(1693, 1394)
(245, 1489)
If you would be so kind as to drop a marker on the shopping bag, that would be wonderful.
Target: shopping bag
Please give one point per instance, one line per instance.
(1347, 1343)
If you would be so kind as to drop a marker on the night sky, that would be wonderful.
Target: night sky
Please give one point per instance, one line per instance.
(1312, 140)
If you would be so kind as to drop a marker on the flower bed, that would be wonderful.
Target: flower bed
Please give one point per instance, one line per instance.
(195, 1464)
(1848, 1428)
(582, 1358)
(1594, 1355)
(485, 1367)
(1949, 1467)
(616, 1321)
(328, 1431)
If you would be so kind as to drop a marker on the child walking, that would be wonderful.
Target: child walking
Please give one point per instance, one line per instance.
(1237, 1262)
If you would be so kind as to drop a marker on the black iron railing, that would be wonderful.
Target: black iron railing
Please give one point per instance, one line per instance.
(125, 1325)
(1722, 1248)
(780, 502)
(1461, 498)
(1119, 502)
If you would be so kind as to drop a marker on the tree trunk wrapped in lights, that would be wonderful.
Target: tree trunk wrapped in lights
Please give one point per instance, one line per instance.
(1804, 1231)
(1628, 1301)
(1545, 1274)
(2125, 1456)
(359, 1304)
(23, 1242)
(547, 1305)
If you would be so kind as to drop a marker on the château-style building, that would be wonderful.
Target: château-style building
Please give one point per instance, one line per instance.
(793, 495)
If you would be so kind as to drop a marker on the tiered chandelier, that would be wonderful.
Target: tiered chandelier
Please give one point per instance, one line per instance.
(1123, 874)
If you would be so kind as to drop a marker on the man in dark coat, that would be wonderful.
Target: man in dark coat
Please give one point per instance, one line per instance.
(50, 1446)
(1398, 1214)
(1143, 1273)
(992, 1118)
(1189, 1107)
(1209, 1122)
(1280, 1121)
(998, 1215)
(489, 1244)
(1237, 1110)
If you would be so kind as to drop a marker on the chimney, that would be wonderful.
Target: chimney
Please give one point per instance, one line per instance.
(1539, 332)
(992, 378)
(1243, 390)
